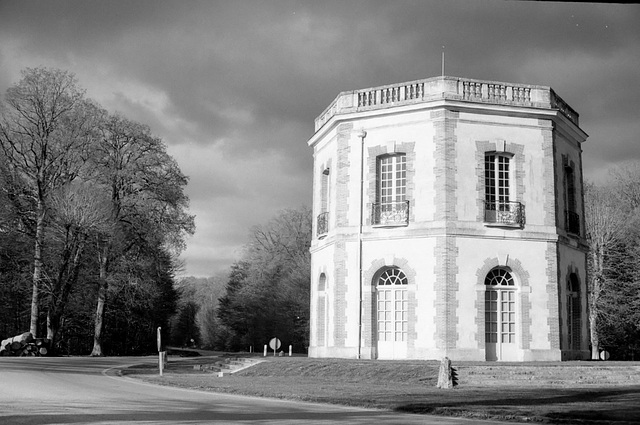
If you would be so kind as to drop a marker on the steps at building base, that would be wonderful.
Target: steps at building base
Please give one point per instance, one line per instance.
(547, 375)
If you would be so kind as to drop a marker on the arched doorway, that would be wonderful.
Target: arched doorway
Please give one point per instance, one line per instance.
(500, 315)
(392, 304)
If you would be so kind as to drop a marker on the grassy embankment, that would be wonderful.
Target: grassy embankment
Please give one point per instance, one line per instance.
(407, 386)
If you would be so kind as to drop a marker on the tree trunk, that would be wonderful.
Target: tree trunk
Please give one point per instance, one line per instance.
(595, 346)
(37, 269)
(97, 336)
(102, 299)
(597, 256)
(53, 325)
(67, 278)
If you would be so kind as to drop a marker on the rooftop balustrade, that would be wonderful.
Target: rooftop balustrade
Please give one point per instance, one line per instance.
(452, 88)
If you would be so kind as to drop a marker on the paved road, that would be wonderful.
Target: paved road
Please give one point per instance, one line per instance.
(83, 390)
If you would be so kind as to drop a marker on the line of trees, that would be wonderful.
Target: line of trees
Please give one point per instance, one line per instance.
(92, 217)
(265, 294)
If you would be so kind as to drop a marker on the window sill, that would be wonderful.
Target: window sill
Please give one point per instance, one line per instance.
(505, 225)
(391, 225)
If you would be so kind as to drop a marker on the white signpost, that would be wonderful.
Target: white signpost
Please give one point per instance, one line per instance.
(160, 353)
(274, 344)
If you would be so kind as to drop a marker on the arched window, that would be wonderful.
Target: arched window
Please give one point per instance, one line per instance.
(500, 313)
(500, 277)
(392, 277)
(573, 312)
(392, 306)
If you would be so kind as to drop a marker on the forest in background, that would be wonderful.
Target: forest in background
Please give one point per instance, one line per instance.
(265, 294)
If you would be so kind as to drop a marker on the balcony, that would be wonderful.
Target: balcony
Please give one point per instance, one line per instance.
(390, 214)
(504, 214)
(323, 224)
(572, 222)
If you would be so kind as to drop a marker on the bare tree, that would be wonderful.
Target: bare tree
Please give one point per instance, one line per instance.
(606, 221)
(78, 212)
(46, 125)
(147, 200)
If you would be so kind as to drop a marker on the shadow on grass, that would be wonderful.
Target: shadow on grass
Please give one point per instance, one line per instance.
(583, 405)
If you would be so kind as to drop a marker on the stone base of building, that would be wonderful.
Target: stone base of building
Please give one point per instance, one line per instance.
(550, 355)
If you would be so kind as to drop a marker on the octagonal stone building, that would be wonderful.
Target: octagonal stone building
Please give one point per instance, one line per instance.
(448, 221)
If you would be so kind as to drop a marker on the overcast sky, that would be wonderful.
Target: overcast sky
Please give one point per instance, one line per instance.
(233, 87)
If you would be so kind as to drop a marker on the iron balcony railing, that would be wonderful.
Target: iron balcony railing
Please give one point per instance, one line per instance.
(390, 213)
(573, 222)
(504, 213)
(323, 223)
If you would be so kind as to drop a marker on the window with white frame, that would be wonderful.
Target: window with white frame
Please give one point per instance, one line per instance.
(392, 305)
(499, 209)
(497, 180)
(391, 206)
(500, 313)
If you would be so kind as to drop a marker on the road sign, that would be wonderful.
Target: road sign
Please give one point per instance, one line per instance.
(274, 344)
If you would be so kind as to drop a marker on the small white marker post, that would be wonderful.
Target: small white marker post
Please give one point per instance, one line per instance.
(290, 348)
(160, 359)
(265, 350)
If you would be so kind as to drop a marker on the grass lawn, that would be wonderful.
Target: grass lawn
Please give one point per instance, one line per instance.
(405, 386)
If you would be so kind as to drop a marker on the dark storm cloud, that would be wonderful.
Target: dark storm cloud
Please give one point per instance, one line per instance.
(234, 87)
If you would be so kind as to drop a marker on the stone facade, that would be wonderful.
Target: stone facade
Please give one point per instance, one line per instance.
(449, 223)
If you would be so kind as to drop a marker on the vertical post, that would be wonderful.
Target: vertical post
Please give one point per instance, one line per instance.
(160, 359)
(443, 61)
(290, 349)
(265, 350)
(362, 135)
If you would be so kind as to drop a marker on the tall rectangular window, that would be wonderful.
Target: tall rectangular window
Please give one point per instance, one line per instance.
(391, 207)
(496, 177)
(499, 209)
(572, 221)
(392, 179)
